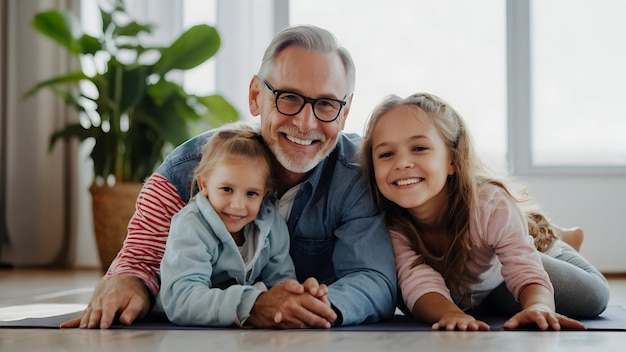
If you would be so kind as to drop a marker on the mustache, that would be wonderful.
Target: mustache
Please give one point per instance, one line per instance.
(295, 133)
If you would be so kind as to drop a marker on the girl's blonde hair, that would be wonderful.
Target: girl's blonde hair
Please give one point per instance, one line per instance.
(233, 140)
(463, 185)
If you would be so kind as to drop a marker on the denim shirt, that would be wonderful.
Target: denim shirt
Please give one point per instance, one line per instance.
(337, 234)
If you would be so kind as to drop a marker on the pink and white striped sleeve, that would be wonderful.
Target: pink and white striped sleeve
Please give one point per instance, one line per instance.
(148, 229)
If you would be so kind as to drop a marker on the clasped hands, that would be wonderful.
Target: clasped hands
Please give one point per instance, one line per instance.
(291, 305)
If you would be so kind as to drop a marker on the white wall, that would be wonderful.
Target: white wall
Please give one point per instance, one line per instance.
(595, 203)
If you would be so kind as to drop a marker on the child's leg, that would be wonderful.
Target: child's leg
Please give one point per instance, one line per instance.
(573, 236)
(580, 290)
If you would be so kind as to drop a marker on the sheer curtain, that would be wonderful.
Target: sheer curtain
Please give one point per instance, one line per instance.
(4, 236)
(36, 187)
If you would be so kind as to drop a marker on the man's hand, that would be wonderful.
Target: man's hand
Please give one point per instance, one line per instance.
(125, 295)
(311, 286)
(290, 305)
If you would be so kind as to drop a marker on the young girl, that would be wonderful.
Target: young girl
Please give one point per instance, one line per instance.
(461, 234)
(229, 243)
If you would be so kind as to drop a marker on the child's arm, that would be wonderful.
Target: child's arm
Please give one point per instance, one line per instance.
(435, 308)
(424, 291)
(538, 308)
(507, 232)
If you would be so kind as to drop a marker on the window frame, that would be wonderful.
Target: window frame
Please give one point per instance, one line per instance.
(519, 95)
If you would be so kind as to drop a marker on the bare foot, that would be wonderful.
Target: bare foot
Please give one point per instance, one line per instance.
(573, 236)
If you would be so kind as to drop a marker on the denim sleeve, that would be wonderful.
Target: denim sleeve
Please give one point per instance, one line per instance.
(179, 165)
(363, 259)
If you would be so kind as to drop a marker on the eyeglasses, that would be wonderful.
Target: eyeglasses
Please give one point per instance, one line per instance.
(290, 103)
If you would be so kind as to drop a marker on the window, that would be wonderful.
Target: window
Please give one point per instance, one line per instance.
(454, 49)
(578, 74)
(200, 80)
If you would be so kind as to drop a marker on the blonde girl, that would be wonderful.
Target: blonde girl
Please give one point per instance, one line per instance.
(228, 244)
(466, 239)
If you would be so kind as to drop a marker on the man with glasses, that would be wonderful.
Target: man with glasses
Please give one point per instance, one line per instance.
(302, 94)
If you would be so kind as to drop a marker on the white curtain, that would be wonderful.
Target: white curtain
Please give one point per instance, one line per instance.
(4, 236)
(36, 187)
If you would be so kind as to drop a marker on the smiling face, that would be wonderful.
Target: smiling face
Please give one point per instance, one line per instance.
(301, 141)
(235, 188)
(411, 161)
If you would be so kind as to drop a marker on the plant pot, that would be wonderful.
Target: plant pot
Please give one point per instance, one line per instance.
(112, 208)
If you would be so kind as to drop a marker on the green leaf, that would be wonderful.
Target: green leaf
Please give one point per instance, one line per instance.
(132, 29)
(107, 19)
(74, 130)
(183, 109)
(162, 91)
(169, 122)
(133, 87)
(64, 28)
(71, 77)
(105, 153)
(144, 148)
(192, 48)
(219, 111)
(89, 44)
(70, 96)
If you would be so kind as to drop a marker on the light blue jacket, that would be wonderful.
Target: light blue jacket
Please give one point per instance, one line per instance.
(337, 234)
(203, 279)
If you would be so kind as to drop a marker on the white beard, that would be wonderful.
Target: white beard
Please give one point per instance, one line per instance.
(293, 162)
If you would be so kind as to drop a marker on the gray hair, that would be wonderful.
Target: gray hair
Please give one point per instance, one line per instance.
(311, 38)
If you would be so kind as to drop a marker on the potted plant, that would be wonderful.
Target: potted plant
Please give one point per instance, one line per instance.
(127, 105)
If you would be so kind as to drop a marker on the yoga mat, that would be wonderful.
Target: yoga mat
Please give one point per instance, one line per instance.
(613, 319)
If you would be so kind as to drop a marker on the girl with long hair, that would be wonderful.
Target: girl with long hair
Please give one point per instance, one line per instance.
(469, 242)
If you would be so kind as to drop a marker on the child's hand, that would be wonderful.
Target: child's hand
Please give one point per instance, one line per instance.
(459, 321)
(544, 318)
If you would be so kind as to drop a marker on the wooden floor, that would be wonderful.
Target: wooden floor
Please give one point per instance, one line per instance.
(47, 290)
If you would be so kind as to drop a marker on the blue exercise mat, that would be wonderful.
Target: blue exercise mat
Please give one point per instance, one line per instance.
(613, 319)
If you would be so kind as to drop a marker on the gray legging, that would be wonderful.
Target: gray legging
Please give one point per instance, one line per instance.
(580, 290)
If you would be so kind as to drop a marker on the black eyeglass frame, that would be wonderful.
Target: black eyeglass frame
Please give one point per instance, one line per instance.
(306, 100)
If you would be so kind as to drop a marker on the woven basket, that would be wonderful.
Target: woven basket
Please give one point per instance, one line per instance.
(112, 209)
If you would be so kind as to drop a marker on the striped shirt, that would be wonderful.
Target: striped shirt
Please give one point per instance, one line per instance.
(143, 248)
